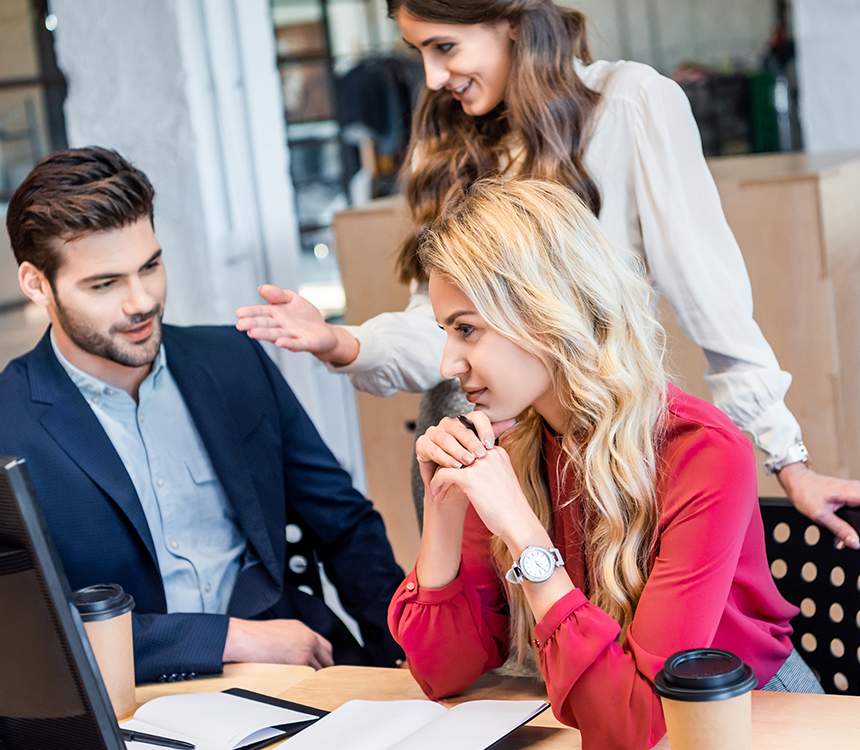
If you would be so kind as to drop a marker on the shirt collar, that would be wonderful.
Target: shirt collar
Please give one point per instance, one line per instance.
(90, 385)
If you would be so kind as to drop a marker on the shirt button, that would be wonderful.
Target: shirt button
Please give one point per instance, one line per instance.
(298, 564)
(294, 533)
(159, 482)
(174, 544)
(207, 588)
(97, 400)
(410, 586)
(142, 418)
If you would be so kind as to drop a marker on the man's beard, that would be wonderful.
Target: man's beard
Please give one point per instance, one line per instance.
(128, 354)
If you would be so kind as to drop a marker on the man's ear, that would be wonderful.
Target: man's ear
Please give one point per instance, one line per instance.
(34, 284)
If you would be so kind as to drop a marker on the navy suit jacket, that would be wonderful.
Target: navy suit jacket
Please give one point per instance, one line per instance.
(272, 463)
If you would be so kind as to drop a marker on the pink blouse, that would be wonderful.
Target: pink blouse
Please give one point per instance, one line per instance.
(710, 585)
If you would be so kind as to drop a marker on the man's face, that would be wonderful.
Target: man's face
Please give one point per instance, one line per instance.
(109, 294)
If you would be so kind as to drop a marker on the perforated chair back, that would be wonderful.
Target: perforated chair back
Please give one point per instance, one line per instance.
(825, 583)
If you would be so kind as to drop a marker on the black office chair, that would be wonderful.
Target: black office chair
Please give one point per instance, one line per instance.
(825, 583)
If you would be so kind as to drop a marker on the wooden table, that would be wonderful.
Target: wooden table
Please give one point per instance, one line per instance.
(270, 679)
(781, 721)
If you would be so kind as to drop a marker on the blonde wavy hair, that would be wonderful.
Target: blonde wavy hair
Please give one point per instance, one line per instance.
(533, 260)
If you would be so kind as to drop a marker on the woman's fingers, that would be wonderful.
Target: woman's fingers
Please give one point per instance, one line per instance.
(489, 431)
(254, 311)
(460, 442)
(483, 427)
(466, 432)
(274, 295)
(426, 449)
(443, 480)
(265, 334)
(249, 322)
(427, 469)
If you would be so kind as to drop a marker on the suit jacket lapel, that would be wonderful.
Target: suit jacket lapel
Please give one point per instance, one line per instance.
(72, 424)
(222, 435)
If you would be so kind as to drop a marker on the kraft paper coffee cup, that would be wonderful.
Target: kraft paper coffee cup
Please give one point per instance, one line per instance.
(706, 700)
(106, 612)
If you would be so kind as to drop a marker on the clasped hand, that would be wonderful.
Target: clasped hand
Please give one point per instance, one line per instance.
(459, 467)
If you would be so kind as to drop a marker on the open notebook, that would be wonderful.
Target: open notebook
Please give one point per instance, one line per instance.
(219, 721)
(416, 725)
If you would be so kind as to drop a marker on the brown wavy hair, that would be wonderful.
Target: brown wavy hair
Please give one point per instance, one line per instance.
(546, 113)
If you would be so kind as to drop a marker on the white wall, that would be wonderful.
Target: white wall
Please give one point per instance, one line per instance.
(828, 65)
(141, 80)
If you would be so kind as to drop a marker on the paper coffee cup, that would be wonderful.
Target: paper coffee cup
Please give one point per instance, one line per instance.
(706, 700)
(106, 612)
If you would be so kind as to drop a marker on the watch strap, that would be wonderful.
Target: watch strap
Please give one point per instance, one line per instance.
(796, 453)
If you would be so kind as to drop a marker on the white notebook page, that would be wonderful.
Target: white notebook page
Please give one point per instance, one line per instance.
(367, 725)
(216, 720)
(415, 725)
(471, 726)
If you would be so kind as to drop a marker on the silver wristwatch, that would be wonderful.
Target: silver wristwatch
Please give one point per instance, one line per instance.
(796, 454)
(536, 564)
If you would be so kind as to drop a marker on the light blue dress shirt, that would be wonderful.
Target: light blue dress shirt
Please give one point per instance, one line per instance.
(198, 542)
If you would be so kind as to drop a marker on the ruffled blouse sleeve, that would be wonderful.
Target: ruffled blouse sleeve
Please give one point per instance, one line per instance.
(454, 634)
(695, 261)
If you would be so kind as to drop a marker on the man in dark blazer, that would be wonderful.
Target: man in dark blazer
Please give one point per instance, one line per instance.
(176, 461)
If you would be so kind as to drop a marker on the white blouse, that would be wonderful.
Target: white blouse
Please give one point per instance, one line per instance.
(658, 197)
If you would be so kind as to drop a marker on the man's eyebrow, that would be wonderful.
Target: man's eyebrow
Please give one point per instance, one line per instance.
(453, 316)
(107, 276)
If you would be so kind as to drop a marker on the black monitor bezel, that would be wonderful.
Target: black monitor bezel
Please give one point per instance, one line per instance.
(57, 591)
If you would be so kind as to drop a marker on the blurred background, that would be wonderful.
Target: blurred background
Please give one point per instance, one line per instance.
(259, 121)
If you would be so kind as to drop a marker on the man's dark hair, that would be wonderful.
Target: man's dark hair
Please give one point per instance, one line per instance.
(72, 193)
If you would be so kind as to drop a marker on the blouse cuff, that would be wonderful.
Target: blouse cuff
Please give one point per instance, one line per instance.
(411, 591)
(368, 357)
(775, 430)
(557, 614)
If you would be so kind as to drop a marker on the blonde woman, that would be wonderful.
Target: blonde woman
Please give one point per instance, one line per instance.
(629, 506)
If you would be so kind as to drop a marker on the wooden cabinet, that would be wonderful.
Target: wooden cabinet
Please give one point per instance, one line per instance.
(367, 241)
(797, 219)
(797, 222)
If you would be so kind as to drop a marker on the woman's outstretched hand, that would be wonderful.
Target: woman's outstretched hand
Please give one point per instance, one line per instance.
(290, 321)
(819, 497)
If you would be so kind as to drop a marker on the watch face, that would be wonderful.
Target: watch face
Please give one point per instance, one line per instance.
(537, 564)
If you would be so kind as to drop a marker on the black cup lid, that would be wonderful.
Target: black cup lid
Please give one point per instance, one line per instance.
(102, 601)
(704, 674)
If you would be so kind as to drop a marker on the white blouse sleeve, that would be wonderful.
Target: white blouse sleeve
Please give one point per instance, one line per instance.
(399, 351)
(695, 261)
